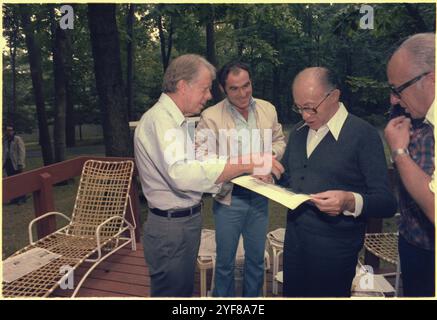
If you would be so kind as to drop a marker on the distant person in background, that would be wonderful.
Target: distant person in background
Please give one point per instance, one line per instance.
(14, 156)
(411, 76)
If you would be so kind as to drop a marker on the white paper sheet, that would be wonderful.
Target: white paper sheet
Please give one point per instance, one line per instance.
(18, 266)
(276, 193)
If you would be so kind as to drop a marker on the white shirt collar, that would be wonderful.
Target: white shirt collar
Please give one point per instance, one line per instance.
(170, 106)
(336, 122)
(430, 115)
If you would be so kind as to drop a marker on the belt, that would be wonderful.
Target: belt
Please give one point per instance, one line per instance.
(178, 213)
(238, 190)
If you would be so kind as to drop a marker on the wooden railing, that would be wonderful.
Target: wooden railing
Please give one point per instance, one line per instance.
(40, 182)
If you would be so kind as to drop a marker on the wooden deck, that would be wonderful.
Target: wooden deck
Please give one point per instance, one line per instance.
(125, 275)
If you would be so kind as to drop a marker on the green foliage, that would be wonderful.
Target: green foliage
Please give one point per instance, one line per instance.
(278, 40)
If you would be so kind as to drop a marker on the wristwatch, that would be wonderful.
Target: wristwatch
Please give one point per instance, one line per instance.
(399, 152)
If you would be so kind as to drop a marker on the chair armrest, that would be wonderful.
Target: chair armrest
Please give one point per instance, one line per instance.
(43, 217)
(106, 222)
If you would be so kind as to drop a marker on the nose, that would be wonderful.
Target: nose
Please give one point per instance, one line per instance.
(242, 92)
(208, 95)
(305, 115)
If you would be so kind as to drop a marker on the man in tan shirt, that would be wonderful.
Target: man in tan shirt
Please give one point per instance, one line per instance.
(247, 125)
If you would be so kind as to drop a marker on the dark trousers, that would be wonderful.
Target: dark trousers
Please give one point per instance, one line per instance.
(10, 171)
(418, 270)
(171, 246)
(318, 265)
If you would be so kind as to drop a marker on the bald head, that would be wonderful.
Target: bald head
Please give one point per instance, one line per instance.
(315, 96)
(413, 64)
(316, 77)
(419, 49)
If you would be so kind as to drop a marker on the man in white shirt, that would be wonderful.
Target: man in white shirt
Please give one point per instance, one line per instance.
(339, 160)
(173, 181)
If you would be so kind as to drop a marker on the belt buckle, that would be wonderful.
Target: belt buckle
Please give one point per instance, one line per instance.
(170, 213)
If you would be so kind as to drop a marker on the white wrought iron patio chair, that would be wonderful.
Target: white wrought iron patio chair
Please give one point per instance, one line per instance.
(97, 229)
(275, 239)
(385, 246)
(206, 260)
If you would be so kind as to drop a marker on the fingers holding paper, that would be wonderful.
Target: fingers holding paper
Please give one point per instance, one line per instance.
(268, 178)
(334, 202)
(266, 163)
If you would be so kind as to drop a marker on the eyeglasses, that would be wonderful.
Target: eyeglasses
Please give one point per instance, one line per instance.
(310, 110)
(396, 91)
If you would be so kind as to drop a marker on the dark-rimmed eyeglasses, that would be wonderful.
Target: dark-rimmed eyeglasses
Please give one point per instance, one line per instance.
(296, 108)
(396, 91)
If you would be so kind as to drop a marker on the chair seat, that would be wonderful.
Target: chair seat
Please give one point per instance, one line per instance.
(41, 282)
(69, 246)
(383, 245)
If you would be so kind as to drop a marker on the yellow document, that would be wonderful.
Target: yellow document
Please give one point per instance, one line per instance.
(276, 193)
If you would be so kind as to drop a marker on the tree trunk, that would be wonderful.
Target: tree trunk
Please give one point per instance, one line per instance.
(276, 97)
(12, 107)
(70, 118)
(59, 39)
(11, 24)
(165, 48)
(130, 61)
(107, 66)
(309, 32)
(34, 53)
(211, 53)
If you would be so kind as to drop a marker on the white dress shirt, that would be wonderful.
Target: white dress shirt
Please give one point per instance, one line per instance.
(170, 176)
(316, 136)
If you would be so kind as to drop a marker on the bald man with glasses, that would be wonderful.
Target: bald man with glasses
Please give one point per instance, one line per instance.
(411, 76)
(339, 160)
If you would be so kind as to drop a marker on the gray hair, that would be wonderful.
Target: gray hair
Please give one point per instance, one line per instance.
(185, 67)
(422, 48)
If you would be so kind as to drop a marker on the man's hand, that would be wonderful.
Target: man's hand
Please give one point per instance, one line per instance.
(267, 178)
(262, 164)
(334, 202)
(397, 133)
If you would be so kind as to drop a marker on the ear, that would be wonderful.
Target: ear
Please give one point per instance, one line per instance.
(181, 85)
(336, 93)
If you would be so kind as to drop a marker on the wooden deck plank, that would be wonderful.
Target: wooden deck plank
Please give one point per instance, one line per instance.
(129, 278)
